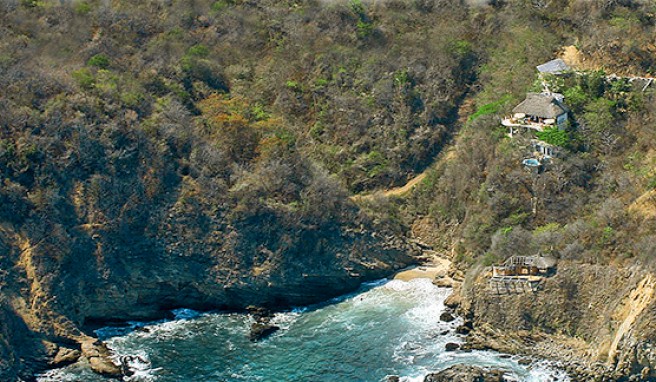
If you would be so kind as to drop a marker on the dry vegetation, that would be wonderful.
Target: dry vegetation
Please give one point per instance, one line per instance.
(167, 126)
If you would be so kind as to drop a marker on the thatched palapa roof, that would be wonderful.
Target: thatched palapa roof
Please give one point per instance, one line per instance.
(541, 105)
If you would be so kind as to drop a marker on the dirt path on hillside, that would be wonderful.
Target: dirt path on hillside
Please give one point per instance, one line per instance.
(466, 109)
(407, 187)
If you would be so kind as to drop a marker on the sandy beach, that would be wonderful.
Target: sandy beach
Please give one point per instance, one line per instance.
(438, 266)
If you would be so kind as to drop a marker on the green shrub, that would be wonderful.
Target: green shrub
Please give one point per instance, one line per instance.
(220, 5)
(401, 77)
(321, 83)
(554, 136)
(365, 28)
(292, 85)
(84, 78)
(199, 50)
(490, 108)
(82, 8)
(99, 61)
(259, 113)
(461, 47)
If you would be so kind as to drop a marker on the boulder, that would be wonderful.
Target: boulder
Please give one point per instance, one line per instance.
(451, 346)
(261, 330)
(105, 366)
(259, 313)
(447, 317)
(453, 301)
(525, 361)
(465, 328)
(443, 282)
(393, 378)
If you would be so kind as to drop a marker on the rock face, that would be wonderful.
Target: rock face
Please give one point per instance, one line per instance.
(58, 287)
(464, 373)
(597, 319)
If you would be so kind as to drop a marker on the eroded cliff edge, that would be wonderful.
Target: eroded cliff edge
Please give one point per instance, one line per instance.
(596, 319)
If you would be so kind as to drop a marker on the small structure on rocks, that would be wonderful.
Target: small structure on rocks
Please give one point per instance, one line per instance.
(525, 266)
(521, 274)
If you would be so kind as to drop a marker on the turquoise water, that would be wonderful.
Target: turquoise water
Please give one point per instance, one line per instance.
(387, 328)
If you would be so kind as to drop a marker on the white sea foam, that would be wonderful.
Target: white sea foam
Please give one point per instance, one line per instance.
(388, 327)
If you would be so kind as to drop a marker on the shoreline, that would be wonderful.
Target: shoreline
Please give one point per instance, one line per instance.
(434, 268)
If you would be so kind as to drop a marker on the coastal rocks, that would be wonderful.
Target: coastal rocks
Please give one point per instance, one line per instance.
(262, 327)
(444, 282)
(451, 346)
(99, 355)
(454, 300)
(465, 328)
(607, 307)
(447, 317)
(65, 356)
(260, 331)
(464, 373)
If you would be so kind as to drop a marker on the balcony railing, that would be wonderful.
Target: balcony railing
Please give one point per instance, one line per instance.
(528, 123)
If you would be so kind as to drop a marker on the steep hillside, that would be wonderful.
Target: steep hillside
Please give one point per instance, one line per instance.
(200, 154)
(205, 154)
(590, 207)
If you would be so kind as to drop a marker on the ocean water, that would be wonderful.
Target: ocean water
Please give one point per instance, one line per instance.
(386, 328)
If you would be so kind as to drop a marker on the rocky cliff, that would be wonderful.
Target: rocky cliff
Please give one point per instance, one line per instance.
(597, 319)
(53, 294)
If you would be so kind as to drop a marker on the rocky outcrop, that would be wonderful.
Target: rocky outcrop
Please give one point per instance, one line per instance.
(262, 327)
(98, 355)
(596, 319)
(464, 373)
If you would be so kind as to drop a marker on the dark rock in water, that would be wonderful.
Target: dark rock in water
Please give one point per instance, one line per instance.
(393, 378)
(447, 317)
(464, 373)
(261, 330)
(525, 361)
(444, 333)
(451, 346)
(463, 329)
(259, 313)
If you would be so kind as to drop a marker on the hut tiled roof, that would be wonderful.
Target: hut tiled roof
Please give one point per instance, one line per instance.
(541, 105)
(556, 66)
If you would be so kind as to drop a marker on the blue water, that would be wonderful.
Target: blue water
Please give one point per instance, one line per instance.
(387, 328)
